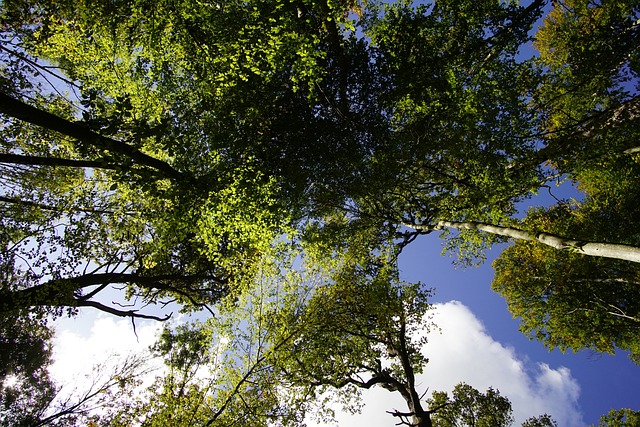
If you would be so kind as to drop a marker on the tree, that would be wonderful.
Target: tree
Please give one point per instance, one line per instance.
(268, 356)
(29, 397)
(364, 330)
(181, 164)
(25, 386)
(464, 168)
(451, 153)
(144, 200)
(225, 370)
(301, 343)
(620, 418)
(586, 109)
(164, 125)
(541, 421)
(582, 247)
(591, 88)
(570, 301)
(469, 407)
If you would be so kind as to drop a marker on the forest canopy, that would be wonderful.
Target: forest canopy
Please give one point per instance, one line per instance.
(215, 157)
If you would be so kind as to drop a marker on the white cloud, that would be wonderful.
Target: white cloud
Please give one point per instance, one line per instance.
(464, 352)
(105, 344)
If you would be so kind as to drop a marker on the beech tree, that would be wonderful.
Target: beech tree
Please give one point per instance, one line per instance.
(586, 114)
(197, 139)
(25, 385)
(30, 397)
(540, 421)
(590, 92)
(185, 112)
(192, 155)
(565, 299)
(620, 418)
(590, 98)
(120, 197)
(303, 344)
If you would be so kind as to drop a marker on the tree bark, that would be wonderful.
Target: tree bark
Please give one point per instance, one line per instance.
(584, 247)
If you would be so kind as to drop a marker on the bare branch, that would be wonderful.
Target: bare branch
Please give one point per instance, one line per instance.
(121, 313)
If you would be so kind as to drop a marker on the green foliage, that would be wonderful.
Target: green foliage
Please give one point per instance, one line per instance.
(212, 110)
(540, 421)
(572, 301)
(458, 107)
(25, 386)
(620, 418)
(219, 137)
(225, 370)
(284, 348)
(563, 299)
(589, 51)
(469, 407)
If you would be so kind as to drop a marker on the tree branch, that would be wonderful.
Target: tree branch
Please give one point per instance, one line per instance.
(64, 292)
(598, 249)
(133, 314)
(246, 377)
(21, 111)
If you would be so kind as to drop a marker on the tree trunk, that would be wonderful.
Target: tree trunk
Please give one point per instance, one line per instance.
(599, 249)
(21, 111)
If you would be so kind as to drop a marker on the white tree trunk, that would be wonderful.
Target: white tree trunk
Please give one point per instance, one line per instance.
(606, 250)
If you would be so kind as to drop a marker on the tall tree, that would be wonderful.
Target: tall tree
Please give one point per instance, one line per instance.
(589, 98)
(568, 300)
(179, 179)
(30, 397)
(25, 386)
(540, 421)
(302, 344)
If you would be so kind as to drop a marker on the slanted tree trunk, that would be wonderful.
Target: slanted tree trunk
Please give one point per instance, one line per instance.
(21, 111)
(584, 247)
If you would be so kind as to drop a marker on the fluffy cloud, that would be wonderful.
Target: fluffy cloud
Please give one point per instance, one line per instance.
(104, 343)
(464, 352)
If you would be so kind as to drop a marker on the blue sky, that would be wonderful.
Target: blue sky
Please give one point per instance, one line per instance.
(605, 381)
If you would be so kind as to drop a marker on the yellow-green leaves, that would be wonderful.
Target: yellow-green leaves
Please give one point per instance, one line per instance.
(242, 217)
